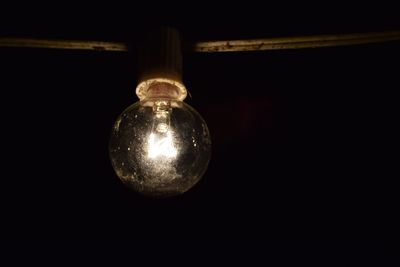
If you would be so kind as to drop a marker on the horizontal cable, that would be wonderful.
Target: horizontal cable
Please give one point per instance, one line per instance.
(295, 42)
(312, 41)
(63, 44)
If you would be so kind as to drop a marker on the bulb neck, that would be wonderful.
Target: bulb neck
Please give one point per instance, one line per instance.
(160, 70)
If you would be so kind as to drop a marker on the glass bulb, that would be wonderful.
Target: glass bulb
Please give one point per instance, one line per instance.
(160, 146)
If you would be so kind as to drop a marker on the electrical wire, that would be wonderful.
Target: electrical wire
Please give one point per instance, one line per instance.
(279, 43)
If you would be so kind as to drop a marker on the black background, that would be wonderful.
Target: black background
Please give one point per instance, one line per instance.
(298, 135)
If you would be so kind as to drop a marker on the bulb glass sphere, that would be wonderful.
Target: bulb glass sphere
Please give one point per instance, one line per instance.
(160, 146)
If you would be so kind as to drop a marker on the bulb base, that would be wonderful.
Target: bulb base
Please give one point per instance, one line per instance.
(161, 65)
(161, 88)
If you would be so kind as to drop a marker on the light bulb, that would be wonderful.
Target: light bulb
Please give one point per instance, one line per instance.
(160, 146)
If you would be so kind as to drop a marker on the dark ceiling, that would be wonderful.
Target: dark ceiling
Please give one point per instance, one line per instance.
(202, 21)
(296, 134)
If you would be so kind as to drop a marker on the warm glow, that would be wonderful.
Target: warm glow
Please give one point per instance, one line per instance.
(161, 146)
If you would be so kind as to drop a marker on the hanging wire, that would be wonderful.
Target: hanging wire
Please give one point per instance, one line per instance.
(279, 43)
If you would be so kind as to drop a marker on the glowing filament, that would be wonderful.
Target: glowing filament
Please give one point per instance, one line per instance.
(162, 146)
